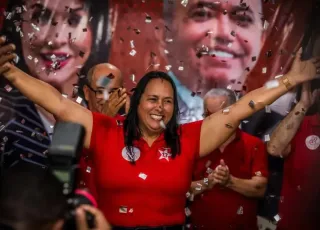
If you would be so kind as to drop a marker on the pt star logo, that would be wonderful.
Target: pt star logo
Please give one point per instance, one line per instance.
(164, 154)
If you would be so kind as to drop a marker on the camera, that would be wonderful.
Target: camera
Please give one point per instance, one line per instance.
(64, 155)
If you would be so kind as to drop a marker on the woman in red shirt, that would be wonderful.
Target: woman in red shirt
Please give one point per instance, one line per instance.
(144, 165)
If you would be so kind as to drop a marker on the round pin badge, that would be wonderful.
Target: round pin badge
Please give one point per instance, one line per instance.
(312, 142)
(131, 157)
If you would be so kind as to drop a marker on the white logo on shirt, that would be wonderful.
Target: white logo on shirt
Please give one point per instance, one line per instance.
(312, 142)
(164, 154)
(131, 157)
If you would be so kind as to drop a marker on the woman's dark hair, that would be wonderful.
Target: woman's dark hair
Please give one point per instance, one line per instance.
(131, 128)
(98, 10)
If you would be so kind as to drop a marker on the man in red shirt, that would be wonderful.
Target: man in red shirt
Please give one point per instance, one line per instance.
(226, 196)
(101, 92)
(297, 139)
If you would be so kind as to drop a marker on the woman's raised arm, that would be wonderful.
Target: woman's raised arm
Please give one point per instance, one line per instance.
(218, 127)
(42, 93)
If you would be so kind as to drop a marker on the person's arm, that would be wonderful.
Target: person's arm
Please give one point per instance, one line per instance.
(199, 186)
(44, 94)
(254, 187)
(218, 127)
(279, 144)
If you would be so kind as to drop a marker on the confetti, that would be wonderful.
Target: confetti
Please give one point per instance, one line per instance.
(133, 78)
(36, 60)
(267, 138)
(105, 95)
(181, 68)
(252, 104)
(268, 109)
(269, 53)
(162, 124)
(169, 40)
(133, 52)
(240, 210)
(103, 82)
(88, 170)
(148, 19)
(132, 44)
(254, 58)
(131, 210)
(79, 100)
(272, 84)
(209, 170)
(123, 209)
(8, 88)
(65, 95)
(16, 59)
(265, 25)
(35, 27)
(184, 3)
(277, 218)
(226, 111)
(29, 57)
(230, 44)
(143, 176)
(206, 181)
(166, 51)
(258, 173)
(264, 70)
(168, 67)
(137, 31)
(187, 211)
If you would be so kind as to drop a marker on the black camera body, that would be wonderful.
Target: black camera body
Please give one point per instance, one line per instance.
(64, 155)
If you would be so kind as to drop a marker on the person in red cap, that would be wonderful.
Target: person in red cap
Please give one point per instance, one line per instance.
(228, 182)
(144, 166)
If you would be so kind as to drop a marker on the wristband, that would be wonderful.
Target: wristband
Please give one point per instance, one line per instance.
(286, 83)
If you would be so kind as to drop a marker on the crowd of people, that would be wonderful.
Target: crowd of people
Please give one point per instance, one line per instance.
(140, 163)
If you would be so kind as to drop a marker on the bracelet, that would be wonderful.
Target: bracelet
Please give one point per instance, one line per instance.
(286, 83)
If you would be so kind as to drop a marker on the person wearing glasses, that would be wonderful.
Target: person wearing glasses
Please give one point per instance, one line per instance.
(108, 98)
(233, 176)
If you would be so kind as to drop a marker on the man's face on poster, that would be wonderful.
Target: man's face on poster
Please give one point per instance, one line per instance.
(229, 33)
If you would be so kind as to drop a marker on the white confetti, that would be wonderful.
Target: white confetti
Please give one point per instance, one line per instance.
(187, 211)
(268, 109)
(266, 137)
(162, 124)
(105, 95)
(123, 209)
(240, 210)
(264, 70)
(265, 25)
(132, 44)
(168, 67)
(131, 210)
(278, 76)
(50, 43)
(271, 84)
(88, 170)
(258, 173)
(16, 59)
(24, 8)
(103, 82)
(36, 60)
(277, 218)
(8, 88)
(166, 51)
(206, 181)
(184, 3)
(79, 100)
(35, 27)
(230, 44)
(169, 40)
(143, 176)
(148, 19)
(30, 57)
(133, 52)
(245, 121)
(181, 68)
(229, 87)
(65, 95)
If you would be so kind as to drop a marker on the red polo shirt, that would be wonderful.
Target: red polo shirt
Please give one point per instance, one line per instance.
(86, 175)
(222, 208)
(150, 192)
(300, 184)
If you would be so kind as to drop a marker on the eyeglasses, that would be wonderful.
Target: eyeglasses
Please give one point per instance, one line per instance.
(99, 93)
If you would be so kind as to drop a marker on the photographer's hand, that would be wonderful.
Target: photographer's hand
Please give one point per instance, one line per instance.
(100, 221)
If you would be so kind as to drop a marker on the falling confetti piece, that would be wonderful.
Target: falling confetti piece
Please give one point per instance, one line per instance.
(265, 25)
(226, 111)
(180, 68)
(143, 176)
(162, 124)
(267, 138)
(277, 218)
(123, 209)
(88, 170)
(264, 70)
(168, 67)
(148, 19)
(272, 84)
(35, 27)
(132, 44)
(258, 173)
(206, 181)
(29, 57)
(16, 59)
(79, 100)
(65, 95)
(166, 51)
(240, 210)
(133, 52)
(184, 3)
(103, 82)
(254, 58)
(230, 44)
(8, 88)
(268, 109)
(252, 104)
(187, 211)
(131, 210)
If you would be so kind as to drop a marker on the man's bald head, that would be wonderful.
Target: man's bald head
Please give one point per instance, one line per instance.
(100, 70)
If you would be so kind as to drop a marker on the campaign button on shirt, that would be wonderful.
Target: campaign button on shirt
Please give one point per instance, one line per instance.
(128, 156)
(312, 142)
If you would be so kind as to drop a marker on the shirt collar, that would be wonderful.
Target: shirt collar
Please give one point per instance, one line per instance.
(185, 94)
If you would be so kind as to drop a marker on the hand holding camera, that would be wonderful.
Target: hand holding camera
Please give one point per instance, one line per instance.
(100, 221)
